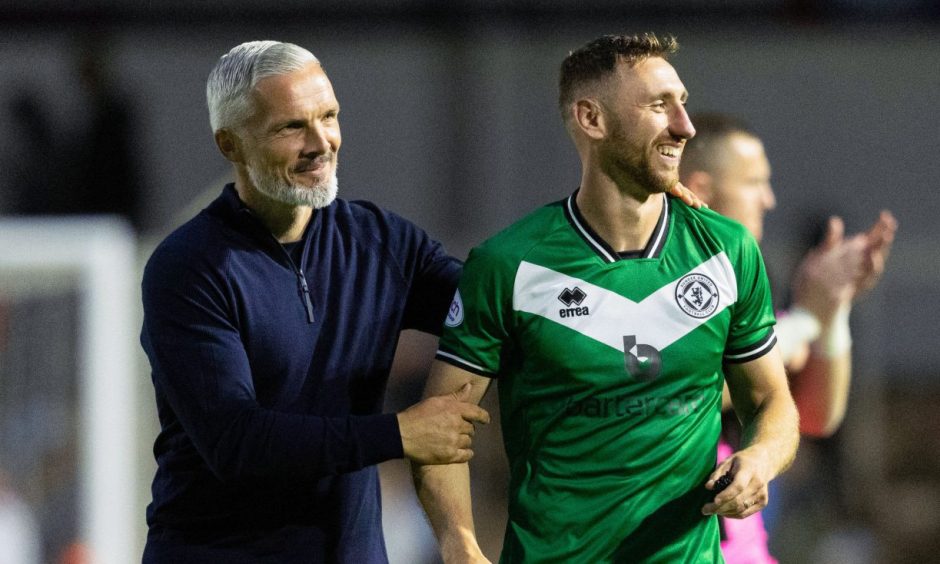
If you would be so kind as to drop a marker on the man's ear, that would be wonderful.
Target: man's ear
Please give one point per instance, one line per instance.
(702, 184)
(229, 145)
(589, 118)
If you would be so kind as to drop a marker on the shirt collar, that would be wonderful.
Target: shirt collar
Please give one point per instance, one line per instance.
(653, 249)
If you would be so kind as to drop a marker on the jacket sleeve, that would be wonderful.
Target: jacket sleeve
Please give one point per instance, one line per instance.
(433, 278)
(202, 374)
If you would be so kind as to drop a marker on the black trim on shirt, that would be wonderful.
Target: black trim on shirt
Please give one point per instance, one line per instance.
(654, 247)
(454, 360)
(752, 351)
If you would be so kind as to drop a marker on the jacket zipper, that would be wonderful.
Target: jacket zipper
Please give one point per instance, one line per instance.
(306, 292)
(301, 279)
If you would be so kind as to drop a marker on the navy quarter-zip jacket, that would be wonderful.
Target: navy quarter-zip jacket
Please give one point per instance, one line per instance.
(270, 377)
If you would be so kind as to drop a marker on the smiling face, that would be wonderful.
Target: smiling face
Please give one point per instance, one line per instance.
(647, 125)
(289, 145)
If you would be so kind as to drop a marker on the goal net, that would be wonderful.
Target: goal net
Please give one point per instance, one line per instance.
(68, 330)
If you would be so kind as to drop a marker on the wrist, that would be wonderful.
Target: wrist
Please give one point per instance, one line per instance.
(461, 547)
(836, 337)
(795, 329)
(760, 460)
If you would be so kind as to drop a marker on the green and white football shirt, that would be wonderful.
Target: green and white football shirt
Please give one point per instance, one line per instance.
(610, 377)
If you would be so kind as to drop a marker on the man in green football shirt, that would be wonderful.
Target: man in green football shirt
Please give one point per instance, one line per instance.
(608, 318)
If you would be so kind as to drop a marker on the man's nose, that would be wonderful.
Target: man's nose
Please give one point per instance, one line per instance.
(317, 140)
(681, 125)
(770, 201)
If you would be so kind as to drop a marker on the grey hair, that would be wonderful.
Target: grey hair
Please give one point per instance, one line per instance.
(231, 81)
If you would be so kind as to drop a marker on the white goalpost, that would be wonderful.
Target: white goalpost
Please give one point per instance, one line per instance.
(94, 260)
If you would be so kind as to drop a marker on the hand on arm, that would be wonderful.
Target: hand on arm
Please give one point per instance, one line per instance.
(444, 489)
(770, 436)
(439, 429)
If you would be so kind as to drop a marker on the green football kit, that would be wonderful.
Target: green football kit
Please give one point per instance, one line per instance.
(610, 380)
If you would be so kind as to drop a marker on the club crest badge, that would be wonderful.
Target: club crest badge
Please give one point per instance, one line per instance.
(455, 313)
(697, 295)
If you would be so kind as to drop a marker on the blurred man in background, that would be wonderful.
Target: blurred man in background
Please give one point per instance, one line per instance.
(725, 164)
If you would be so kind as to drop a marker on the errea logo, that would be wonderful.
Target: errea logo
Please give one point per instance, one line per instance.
(573, 298)
(697, 295)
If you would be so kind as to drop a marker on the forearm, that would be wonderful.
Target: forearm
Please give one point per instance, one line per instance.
(212, 406)
(267, 444)
(444, 492)
(821, 392)
(769, 419)
(444, 489)
(821, 385)
(772, 430)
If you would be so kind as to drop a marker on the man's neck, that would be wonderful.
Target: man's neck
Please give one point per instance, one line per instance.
(286, 222)
(624, 219)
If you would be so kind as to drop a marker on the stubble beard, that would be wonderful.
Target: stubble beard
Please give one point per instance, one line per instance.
(317, 196)
(634, 163)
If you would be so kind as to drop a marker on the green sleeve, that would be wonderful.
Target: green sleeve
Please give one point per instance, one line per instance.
(752, 318)
(478, 327)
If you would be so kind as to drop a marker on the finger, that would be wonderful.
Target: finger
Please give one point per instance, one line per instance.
(467, 428)
(679, 191)
(720, 479)
(694, 200)
(882, 231)
(886, 222)
(462, 455)
(463, 394)
(736, 508)
(474, 413)
(753, 505)
(835, 230)
(747, 509)
(723, 469)
(889, 226)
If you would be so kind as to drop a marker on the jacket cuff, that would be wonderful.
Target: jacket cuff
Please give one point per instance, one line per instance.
(380, 438)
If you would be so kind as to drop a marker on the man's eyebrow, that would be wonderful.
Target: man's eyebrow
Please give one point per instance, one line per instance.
(287, 121)
(671, 95)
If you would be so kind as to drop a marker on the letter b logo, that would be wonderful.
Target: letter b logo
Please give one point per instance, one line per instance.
(646, 364)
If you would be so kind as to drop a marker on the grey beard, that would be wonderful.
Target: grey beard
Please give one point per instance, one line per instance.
(316, 197)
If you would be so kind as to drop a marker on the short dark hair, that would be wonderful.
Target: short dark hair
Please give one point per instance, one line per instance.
(712, 131)
(598, 59)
